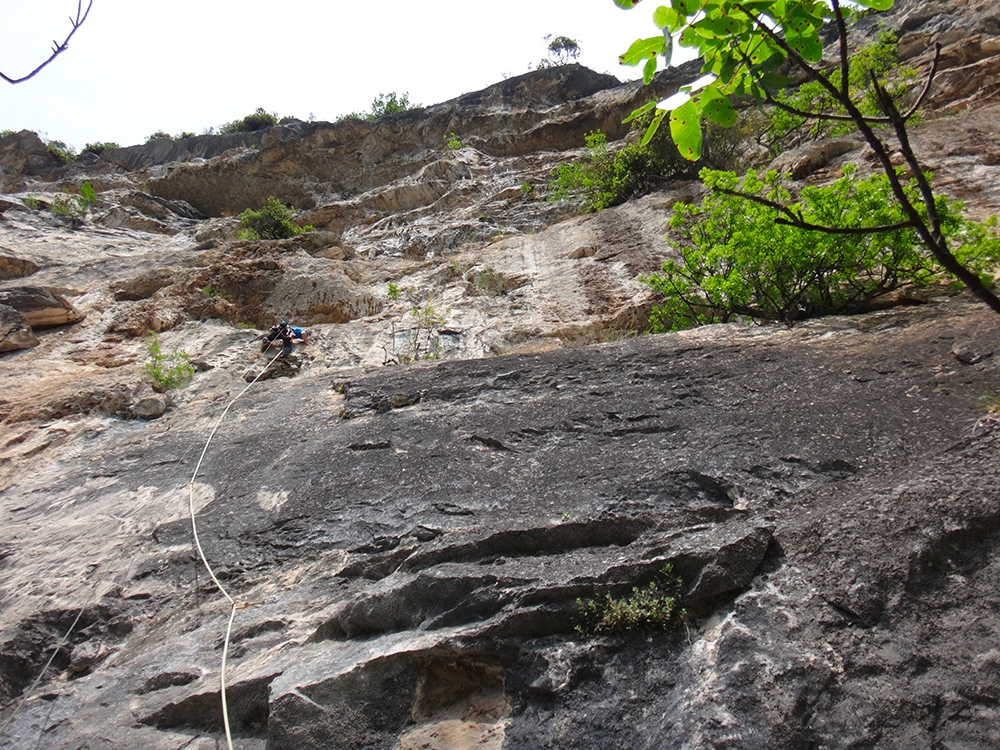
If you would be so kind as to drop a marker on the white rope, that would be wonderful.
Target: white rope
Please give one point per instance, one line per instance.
(201, 552)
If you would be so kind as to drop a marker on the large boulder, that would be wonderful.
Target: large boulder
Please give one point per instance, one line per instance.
(40, 307)
(15, 267)
(15, 333)
(26, 153)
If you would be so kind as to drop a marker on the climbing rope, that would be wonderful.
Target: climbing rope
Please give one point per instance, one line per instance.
(233, 604)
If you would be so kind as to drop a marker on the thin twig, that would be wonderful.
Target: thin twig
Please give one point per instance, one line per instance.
(57, 48)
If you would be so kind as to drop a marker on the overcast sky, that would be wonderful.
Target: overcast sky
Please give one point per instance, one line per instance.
(137, 66)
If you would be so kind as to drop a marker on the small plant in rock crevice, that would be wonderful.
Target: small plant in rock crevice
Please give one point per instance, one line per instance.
(655, 607)
(75, 207)
(417, 335)
(212, 291)
(167, 371)
(491, 283)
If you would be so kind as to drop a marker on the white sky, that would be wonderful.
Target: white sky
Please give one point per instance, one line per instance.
(138, 66)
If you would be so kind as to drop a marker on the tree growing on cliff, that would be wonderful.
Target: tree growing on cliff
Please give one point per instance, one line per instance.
(746, 47)
(57, 47)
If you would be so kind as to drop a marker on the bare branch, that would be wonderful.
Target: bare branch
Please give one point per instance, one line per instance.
(57, 48)
(927, 84)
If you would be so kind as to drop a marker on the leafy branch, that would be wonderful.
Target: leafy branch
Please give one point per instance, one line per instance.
(743, 45)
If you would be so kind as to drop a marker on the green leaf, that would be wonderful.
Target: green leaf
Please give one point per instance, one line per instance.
(875, 4)
(653, 126)
(668, 19)
(691, 38)
(640, 111)
(627, 4)
(807, 45)
(716, 107)
(685, 129)
(714, 28)
(649, 70)
(642, 49)
(776, 81)
(687, 7)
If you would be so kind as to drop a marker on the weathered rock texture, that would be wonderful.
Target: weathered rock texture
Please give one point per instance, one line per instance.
(412, 542)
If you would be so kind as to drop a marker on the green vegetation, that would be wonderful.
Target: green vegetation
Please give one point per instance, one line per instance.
(33, 203)
(62, 151)
(259, 119)
(741, 258)
(491, 283)
(167, 371)
(74, 207)
(560, 51)
(382, 105)
(743, 46)
(272, 222)
(452, 142)
(877, 62)
(212, 291)
(97, 148)
(417, 337)
(390, 104)
(654, 607)
(607, 178)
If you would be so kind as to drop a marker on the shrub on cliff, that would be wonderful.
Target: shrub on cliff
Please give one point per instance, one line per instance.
(739, 259)
(608, 177)
(167, 371)
(271, 222)
(258, 120)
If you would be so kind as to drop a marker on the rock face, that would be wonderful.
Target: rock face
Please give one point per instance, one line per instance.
(411, 548)
(39, 306)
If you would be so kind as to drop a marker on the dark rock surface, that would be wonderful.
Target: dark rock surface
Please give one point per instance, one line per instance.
(413, 551)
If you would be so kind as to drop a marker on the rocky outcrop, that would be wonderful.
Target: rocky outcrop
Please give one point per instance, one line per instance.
(414, 557)
(39, 306)
(24, 153)
(15, 333)
(412, 548)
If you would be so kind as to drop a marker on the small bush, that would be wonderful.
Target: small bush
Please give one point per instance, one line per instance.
(452, 142)
(61, 151)
(75, 207)
(213, 291)
(417, 337)
(652, 608)
(167, 371)
(97, 148)
(272, 222)
(738, 262)
(159, 135)
(490, 282)
(609, 177)
(390, 104)
(260, 119)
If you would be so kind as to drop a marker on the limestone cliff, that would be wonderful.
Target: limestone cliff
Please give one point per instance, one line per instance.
(408, 543)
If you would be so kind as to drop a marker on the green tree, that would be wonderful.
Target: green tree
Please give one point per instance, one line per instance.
(562, 49)
(737, 261)
(390, 104)
(746, 46)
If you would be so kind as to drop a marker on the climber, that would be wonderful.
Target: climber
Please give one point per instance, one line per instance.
(300, 334)
(282, 330)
